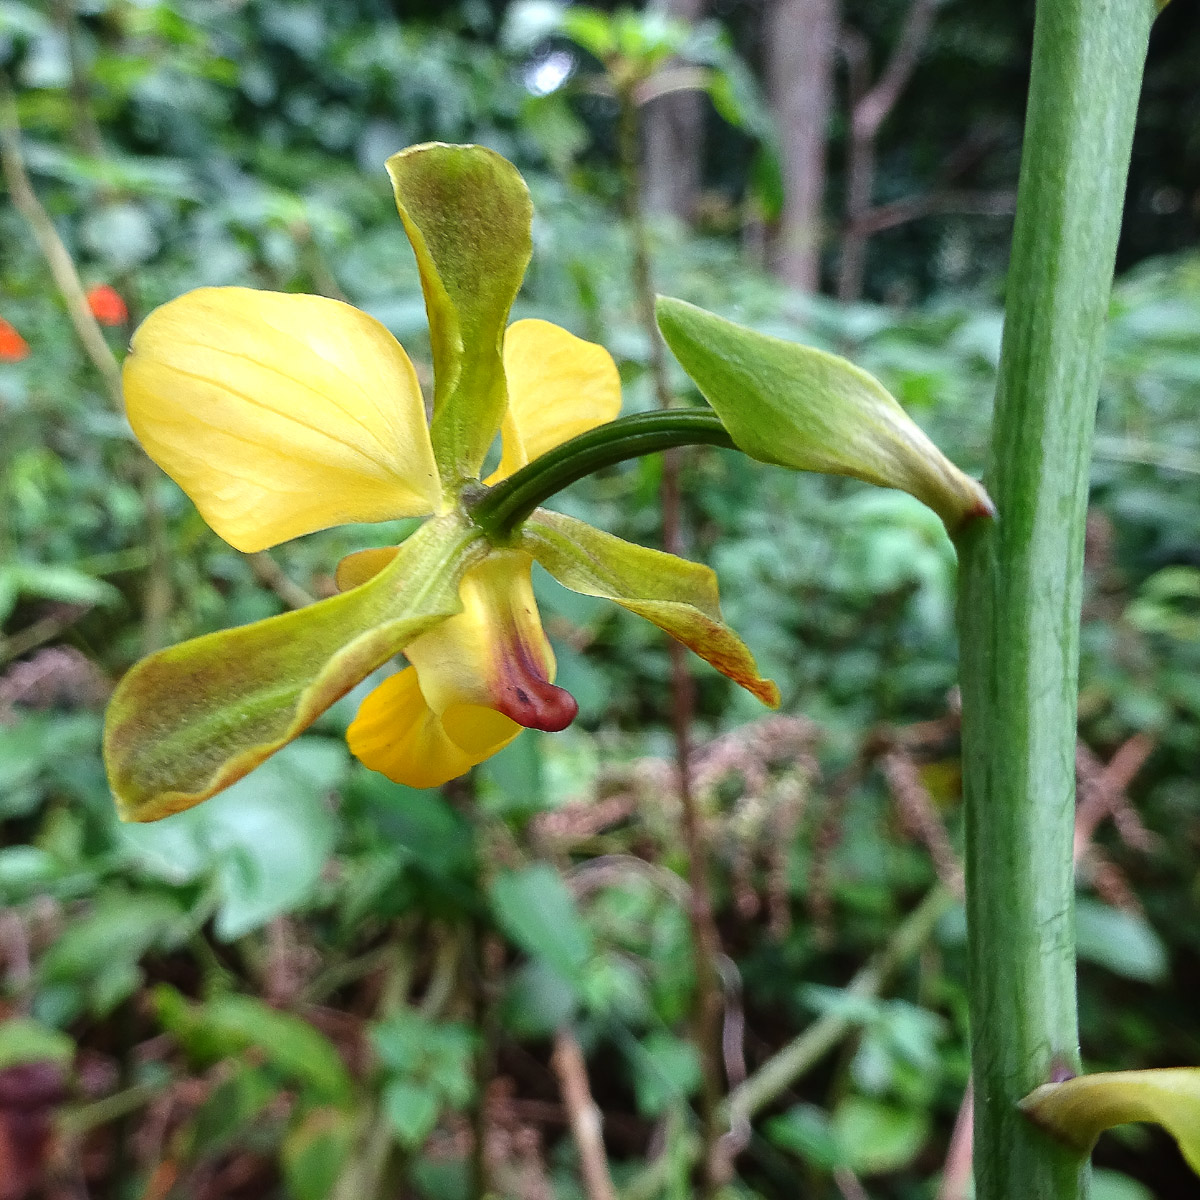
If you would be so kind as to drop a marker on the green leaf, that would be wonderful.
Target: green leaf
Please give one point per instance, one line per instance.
(875, 1137)
(805, 1130)
(1078, 1110)
(676, 595)
(799, 407)
(190, 720)
(23, 1040)
(98, 952)
(50, 582)
(668, 1073)
(315, 1153)
(468, 215)
(536, 910)
(1122, 941)
(412, 1110)
(264, 842)
(227, 1025)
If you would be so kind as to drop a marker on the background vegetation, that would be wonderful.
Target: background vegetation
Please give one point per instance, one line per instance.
(322, 984)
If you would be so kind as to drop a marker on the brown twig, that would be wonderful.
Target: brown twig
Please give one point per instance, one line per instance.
(998, 203)
(269, 573)
(1102, 792)
(920, 816)
(870, 106)
(586, 1121)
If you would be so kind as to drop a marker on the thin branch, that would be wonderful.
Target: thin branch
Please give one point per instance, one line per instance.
(869, 107)
(873, 109)
(268, 572)
(56, 254)
(999, 203)
(585, 1117)
(782, 1070)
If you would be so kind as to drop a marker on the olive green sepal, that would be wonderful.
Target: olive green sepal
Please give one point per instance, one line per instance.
(468, 216)
(678, 596)
(1078, 1110)
(194, 718)
(798, 407)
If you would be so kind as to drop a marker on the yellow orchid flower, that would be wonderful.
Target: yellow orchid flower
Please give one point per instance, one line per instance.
(280, 415)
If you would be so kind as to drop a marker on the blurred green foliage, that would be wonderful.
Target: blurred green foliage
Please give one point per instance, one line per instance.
(297, 989)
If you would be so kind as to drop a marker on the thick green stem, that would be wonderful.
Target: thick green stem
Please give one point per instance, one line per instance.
(1021, 582)
(500, 509)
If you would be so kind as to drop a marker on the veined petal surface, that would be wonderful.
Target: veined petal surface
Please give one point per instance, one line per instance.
(280, 414)
(468, 215)
(476, 680)
(678, 596)
(559, 386)
(190, 720)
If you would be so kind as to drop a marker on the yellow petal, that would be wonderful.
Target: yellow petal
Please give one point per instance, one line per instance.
(559, 386)
(493, 655)
(399, 735)
(280, 414)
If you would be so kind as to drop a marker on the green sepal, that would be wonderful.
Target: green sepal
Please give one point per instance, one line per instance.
(194, 718)
(678, 596)
(799, 407)
(1078, 1110)
(468, 215)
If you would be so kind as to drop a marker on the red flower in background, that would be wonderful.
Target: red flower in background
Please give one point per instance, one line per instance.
(13, 347)
(107, 306)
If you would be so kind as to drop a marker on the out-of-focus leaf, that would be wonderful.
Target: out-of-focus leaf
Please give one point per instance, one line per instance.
(1120, 940)
(226, 1026)
(98, 952)
(52, 582)
(412, 1111)
(805, 1130)
(875, 1137)
(23, 1040)
(667, 1072)
(316, 1152)
(264, 841)
(535, 909)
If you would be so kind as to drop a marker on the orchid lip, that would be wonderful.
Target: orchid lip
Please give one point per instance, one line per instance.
(526, 696)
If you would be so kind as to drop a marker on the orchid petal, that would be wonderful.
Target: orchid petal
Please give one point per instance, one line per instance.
(678, 596)
(802, 408)
(559, 386)
(467, 214)
(190, 720)
(1078, 1110)
(279, 414)
(399, 735)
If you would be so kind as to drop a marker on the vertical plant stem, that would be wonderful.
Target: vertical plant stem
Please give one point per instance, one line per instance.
(705, 937)
(1021, 581)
